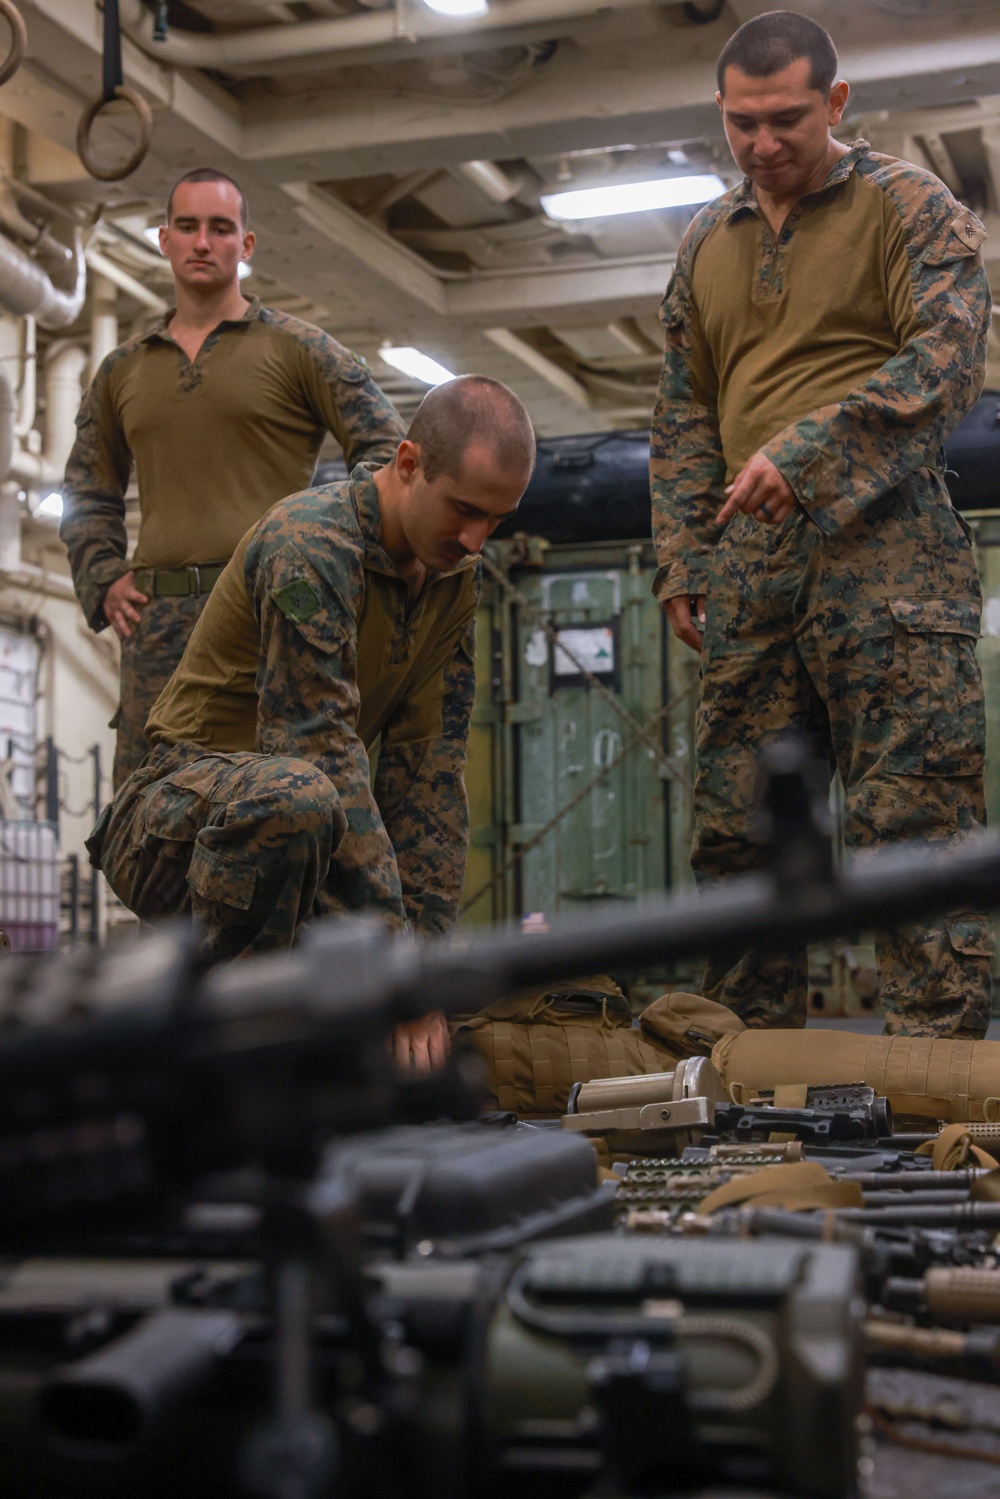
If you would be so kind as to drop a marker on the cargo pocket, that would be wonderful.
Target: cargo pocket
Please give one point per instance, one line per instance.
(938, 721)
(971, 938)
(222, 878)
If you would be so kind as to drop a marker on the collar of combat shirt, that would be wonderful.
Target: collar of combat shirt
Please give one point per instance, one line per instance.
(159, 329)
(370, 522)
(744, 199)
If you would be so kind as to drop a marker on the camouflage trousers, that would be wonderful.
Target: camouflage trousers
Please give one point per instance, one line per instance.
(867, 641)
(242, 842)
(149, 659)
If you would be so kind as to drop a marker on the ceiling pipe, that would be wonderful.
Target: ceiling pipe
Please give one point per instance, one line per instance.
(27, 290)
(8, 413)
(125, 282)
(492, 181)
(64, 369)
(28, 392)
(307, 40)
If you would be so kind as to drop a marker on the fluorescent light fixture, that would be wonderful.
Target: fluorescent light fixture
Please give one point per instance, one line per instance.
(152, 237)
(418, 366)
(52, 504)
(632, 197)
(458, 7)
(245, 270)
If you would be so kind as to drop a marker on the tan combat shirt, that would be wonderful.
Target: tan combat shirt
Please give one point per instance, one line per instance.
(308, 647)
(215, 441)
(846, 349)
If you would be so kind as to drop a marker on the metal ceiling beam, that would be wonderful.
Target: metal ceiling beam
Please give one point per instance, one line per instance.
(371, 246)
(511, 343)
(623, 65)
(560, 294)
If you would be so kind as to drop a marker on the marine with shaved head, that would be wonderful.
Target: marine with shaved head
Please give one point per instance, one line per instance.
(345, 617)
(221, 409)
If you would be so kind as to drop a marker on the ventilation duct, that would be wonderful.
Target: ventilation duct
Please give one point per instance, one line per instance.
(28, 291)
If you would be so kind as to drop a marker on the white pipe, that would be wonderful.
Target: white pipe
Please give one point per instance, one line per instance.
(492, 181)
(228, 51)
(103, 321)
(125, 282)
(64, 369)
(25, 288)
(28, 392)
(8, 408)
(37, 579)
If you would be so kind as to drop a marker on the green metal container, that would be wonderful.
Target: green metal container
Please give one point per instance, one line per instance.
(574, 658)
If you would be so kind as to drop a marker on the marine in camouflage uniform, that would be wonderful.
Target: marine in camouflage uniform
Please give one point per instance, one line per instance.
(256, 808)
(215, 441)
(845, 349)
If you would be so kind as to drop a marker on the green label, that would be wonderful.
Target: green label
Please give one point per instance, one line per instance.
(297, 600)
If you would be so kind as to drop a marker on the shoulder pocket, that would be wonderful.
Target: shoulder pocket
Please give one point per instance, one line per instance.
(353, 370)
(961, 238)
(308, 603)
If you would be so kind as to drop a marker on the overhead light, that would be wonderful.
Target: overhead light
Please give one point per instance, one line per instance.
(458, 7)
(632, 197)
(418, 366)
(52, 504)
(245, 270)
(152, 237)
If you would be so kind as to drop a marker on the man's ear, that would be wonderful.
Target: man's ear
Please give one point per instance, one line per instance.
(839, 95)
(408, 458)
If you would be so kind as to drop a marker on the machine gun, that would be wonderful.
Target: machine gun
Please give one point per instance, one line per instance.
(239, 1327)
(664, 1112)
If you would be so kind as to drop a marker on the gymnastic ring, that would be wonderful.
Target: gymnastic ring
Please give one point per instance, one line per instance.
(143, 114)
(18, 39)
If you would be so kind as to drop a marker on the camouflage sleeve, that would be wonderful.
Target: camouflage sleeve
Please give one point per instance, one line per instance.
(97, 475)
(308, 699)
(840, 458)
(420, 787)
(687, 470)
(346, 401)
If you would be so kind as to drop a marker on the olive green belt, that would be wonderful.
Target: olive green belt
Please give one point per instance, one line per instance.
(178, 582)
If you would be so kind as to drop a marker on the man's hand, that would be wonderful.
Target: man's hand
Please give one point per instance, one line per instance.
(682, 620)
(122, 605)
(422, 1045)
(760, 491)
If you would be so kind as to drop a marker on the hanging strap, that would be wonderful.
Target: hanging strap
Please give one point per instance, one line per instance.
(111, 78)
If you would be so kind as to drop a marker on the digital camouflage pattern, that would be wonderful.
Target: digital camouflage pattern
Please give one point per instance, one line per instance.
(856, 619)
(309, 649)
(149, 659)
(241, 842)
(829, 635)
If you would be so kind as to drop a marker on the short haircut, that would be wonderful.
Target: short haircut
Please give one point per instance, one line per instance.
(472, 409)
(773, 41)
(210, 174)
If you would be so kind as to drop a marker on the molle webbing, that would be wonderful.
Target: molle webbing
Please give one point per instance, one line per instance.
(536, 1047)
(930, 1078)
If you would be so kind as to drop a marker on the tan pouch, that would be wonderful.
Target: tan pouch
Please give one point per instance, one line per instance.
(923, 1078)
(537, 1044)
(688, 1023)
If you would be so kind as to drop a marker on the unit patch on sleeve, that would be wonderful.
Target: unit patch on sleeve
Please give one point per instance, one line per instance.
(297, 600)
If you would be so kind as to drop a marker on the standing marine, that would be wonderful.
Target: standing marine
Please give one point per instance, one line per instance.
(342, 629)
(221, 409)
(825, 332)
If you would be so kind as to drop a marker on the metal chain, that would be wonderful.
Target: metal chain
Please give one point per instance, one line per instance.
(525, 848)
(670, 768)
